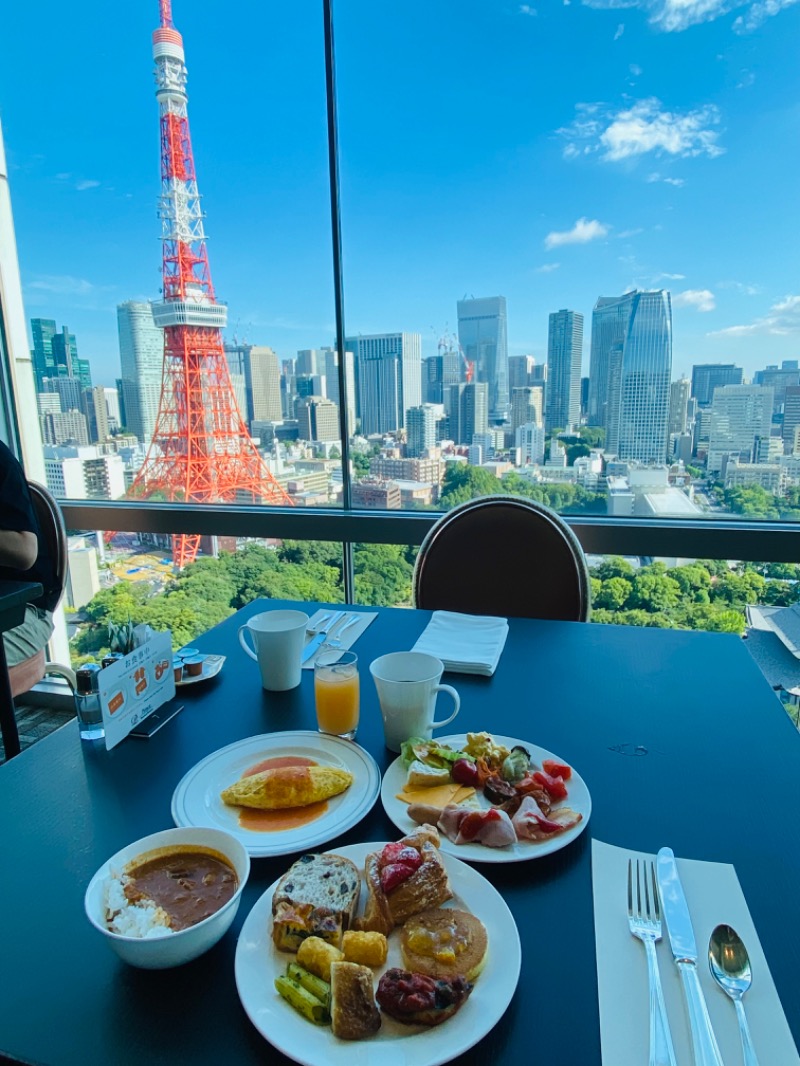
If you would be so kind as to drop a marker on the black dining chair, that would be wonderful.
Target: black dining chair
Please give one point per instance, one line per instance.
(503, 555)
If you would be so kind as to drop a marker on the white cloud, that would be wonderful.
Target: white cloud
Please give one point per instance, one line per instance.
(81, 186)
(642, 128)
(620, 31)
(547, 268)
(635, 70)
(581, 233)
(781, 319)
(758, 13)
(699, 299)
(670, 277)
(526, 9)
(62, 285)
(629, 233)
(667, 181)
(673, 16)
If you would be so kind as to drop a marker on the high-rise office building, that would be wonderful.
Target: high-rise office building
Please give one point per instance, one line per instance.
(266, 381)
(610, 320)
(679, 392)
(141, 356)
(309, 361)
(779, 378)
(237, 357)
(739, 414)
(438, 373)
(639, 371)
(791, 418)
(68, 389)
(526, 406)
(483, 336)
(330, 372)
(709, 376)
(521, 369)
(421, 429)
(564, 354)
(318, 419)
(388, 375)
(43, 330)
(467, 408)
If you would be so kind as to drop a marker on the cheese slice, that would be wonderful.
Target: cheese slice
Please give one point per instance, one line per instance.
(420, 775)
(436, 796)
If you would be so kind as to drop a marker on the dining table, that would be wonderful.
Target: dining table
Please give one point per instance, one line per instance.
(676, 734)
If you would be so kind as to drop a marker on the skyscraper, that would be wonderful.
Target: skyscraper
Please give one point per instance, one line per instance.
(330, 371)
(639, 370)
(609, 327)
(421, 427)
(439, 372)
(709, 376)
(482, 334)
(526, 406)
(679, 392)
(467, 408)
(739, 414)
(141, 355)
(43, 330)
(564, 354)
(266, 378)
(388, 372)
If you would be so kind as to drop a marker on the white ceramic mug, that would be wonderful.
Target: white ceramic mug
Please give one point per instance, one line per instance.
(407, 684)
(279, 638)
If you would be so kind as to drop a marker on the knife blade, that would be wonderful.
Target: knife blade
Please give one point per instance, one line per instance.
(684, 951)
(312, 646)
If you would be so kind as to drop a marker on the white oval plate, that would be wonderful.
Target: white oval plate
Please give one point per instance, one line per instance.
(212, 664)
(578, 799)
(258, 963)
(196, 800)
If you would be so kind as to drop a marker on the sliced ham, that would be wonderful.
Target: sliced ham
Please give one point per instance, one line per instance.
(530, 823)
(491, 828)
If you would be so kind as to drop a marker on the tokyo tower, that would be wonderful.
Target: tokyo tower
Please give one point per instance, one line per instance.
(201, 451)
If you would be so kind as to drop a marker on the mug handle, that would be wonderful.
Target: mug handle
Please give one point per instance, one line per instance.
(456, 700)
(245, 645)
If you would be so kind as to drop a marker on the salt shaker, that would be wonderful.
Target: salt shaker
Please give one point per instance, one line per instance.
(87, 702)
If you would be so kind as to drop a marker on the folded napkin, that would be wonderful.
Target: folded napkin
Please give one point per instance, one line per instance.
(466, 643)
(714, 896)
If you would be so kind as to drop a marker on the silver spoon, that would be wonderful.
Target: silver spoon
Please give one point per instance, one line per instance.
(730, 967)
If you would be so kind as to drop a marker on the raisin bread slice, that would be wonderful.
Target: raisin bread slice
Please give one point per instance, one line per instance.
(317, 896)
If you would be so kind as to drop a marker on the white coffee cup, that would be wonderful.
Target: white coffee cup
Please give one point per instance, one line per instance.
(407, 684)
(278, 638)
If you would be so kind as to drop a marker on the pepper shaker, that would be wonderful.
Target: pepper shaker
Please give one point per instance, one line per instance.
(87, 702)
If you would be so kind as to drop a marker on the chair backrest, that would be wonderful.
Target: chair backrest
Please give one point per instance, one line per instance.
(51, 525)
(503, 555)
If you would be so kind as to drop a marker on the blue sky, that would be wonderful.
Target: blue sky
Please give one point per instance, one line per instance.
(551, 152)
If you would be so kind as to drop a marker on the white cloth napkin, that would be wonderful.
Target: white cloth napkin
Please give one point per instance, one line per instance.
(466, 643)
(714, 896)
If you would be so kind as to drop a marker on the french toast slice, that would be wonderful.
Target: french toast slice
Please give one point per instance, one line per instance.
(354, 1014)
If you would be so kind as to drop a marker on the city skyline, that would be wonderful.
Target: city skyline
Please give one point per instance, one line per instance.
(667, 184)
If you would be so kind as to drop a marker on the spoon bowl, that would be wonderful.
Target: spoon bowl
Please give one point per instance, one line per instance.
(730, 967)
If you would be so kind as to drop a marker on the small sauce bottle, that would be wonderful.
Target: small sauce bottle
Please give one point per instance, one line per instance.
(87, 702)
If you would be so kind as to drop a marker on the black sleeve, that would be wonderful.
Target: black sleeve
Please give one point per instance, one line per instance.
(16, 507)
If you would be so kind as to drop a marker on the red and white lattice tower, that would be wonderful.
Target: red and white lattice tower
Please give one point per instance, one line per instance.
(201, 451)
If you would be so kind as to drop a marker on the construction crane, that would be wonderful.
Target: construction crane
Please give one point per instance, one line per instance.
(448, 342)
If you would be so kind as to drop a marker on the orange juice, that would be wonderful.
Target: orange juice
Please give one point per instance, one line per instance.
(336, 693)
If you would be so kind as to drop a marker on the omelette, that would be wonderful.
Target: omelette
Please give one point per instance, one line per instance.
(287, 786)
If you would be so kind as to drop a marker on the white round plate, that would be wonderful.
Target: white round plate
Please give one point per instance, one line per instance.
(196, 800)
(258, 963)
(578, 799)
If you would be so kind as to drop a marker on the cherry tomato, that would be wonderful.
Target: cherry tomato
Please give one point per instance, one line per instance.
(557, 769)
(465, 772)
(553, 786)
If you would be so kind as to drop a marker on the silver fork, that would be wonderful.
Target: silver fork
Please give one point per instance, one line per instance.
(644, 919)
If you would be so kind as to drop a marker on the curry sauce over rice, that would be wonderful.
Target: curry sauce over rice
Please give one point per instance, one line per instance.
(189, 885)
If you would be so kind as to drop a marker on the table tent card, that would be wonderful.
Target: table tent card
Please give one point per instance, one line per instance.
(132, 688)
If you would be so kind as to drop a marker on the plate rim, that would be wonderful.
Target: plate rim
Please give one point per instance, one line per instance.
(269, 850)
(203, 676)
(497, 856)
(509, 959)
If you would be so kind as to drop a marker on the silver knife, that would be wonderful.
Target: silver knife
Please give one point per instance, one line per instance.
(312, 646)
(684, 950)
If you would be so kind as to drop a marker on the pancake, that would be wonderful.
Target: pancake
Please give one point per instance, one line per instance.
(442, 942)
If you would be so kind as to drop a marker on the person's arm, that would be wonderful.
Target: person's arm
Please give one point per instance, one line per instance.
(18, 549)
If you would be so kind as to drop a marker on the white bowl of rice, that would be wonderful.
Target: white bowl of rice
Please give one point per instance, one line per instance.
(137, 927)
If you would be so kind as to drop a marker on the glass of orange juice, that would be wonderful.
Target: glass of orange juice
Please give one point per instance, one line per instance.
(336, 692)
